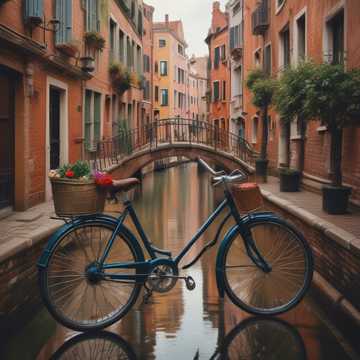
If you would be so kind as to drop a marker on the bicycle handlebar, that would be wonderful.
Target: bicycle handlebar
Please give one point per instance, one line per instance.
(220, 176)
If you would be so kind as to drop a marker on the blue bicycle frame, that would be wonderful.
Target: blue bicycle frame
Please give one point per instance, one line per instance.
(144, 268)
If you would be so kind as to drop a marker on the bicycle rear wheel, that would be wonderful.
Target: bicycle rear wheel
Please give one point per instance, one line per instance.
(74, 299)
(290, 258)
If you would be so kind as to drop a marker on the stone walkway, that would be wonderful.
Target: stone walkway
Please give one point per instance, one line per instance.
(344, 229)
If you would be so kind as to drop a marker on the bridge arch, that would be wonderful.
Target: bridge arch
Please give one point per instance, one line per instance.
(131, 150)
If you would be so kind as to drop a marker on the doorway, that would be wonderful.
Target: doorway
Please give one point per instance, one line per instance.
(7, 139)
(54, 128)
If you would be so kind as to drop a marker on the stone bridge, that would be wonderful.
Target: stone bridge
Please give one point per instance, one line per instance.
(127, 153)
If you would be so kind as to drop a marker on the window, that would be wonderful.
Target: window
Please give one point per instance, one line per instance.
(300, 38)
(180, 49)
(335, 39)
(162, 43)
(92, 15)
(217, 57)
(236, 37)
(216, 91)
(255, 125)
(156, 66)
(236, 8)
(257, 58)
(139, 57)
(128, 52)
(132, 11)
(112, 39)
(163, 68)
(181, 76)
(267, 59)
(147, 90)
(132, 55)
(156, 93)
(92, 118)
(223, 93)
(164, 97)
(285, 48)
(223, 52)
(121, 47)
(63, 12)
(140, 23)
(146, 63)
(279, 3)
(175, 98)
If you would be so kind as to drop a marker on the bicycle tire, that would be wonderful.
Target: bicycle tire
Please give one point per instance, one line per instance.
(76, 277)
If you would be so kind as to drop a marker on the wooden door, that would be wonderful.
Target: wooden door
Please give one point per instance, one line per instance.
(7, 139)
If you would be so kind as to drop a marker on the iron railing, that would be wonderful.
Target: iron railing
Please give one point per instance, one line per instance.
(167, 133)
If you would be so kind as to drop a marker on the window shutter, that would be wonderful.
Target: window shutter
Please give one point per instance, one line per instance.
(33, 9)
(59, 35)
(88, 119)
(232, 38)
(97, 116)
(68, 20)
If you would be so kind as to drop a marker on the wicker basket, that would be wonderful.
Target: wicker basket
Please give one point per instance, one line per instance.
(247, 197)
(77, 197)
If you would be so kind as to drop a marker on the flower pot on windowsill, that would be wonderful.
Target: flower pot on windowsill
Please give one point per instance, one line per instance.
(336, 199)
(289, 180)
(120, 77)
(87, 64)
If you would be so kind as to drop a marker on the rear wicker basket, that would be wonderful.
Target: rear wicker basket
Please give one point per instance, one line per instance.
(77, 197)
(247, 197)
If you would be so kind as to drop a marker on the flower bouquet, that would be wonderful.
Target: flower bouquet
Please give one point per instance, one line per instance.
(77, 191)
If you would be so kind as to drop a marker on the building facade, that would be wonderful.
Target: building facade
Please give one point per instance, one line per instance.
(170, 70)
(234, 9)
(280, 33)
(218, 40)
(57, 95)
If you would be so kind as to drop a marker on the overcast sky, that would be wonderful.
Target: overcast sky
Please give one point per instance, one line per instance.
(196, 18)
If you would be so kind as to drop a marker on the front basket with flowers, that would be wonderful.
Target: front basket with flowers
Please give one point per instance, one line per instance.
(77, 191)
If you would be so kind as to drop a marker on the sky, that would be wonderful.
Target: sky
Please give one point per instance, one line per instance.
(196, 18)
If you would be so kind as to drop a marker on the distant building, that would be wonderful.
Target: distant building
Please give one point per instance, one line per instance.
(218, 42)
(234, 9)
(170, 70)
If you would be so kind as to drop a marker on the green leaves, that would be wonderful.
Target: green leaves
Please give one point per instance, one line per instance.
(263, 88)
(319, 91)
(80, 169)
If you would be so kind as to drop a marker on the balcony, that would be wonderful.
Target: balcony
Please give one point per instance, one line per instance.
(237, 53)
(260, 18)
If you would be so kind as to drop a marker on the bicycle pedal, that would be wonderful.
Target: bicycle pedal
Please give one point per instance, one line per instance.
(190, 283)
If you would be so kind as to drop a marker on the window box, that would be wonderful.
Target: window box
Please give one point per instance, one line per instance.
(94, 40)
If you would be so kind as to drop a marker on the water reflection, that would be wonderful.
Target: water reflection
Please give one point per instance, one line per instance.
(262, 339)
(95, 346)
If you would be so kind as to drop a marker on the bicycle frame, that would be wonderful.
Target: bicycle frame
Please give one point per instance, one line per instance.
(145, 267)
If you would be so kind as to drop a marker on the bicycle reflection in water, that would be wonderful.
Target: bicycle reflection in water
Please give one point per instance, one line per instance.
(254, 338)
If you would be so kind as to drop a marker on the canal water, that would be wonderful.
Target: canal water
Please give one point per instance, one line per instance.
(184, 324)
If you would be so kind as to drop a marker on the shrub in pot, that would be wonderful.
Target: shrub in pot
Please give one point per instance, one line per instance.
(289, 180)
(263, 89)
(328, 93)
(95, 40)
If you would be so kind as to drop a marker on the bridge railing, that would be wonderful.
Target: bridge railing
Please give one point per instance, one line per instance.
(167, 132)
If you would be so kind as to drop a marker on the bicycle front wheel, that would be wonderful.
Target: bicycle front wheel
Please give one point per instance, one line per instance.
(77, 301)
(290, 258)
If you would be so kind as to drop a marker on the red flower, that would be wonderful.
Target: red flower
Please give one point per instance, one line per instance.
(105, 180)
(69, 174)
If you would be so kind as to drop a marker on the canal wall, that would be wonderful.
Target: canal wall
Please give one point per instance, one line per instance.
(337, 263)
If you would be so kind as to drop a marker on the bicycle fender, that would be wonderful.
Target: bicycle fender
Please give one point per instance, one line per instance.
(238, 228)
(52, 242)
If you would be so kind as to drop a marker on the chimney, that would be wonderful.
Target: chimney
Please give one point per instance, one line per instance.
(216, 5)
(167, 19)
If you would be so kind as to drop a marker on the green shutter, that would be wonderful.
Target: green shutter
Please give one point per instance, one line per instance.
(232, 38)
(33, 9)
(63, 12)
(97, 116)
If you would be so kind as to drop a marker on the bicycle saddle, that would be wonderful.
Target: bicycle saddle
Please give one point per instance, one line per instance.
(123, 185)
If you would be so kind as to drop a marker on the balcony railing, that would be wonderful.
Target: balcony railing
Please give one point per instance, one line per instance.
(260, 18)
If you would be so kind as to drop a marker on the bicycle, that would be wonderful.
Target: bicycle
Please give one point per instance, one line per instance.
(93, 268)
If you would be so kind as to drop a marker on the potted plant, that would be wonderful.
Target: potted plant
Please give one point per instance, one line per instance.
(263, 89)
(94, 40)
(330, 94)
(135, 79)
(78, 191)
(120, 77)
(289, 179)
(87, 63)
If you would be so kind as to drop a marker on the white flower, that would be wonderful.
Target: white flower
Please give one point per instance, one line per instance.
(53, 174)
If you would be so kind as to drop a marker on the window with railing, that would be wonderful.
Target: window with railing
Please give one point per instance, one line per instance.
(63, 13)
